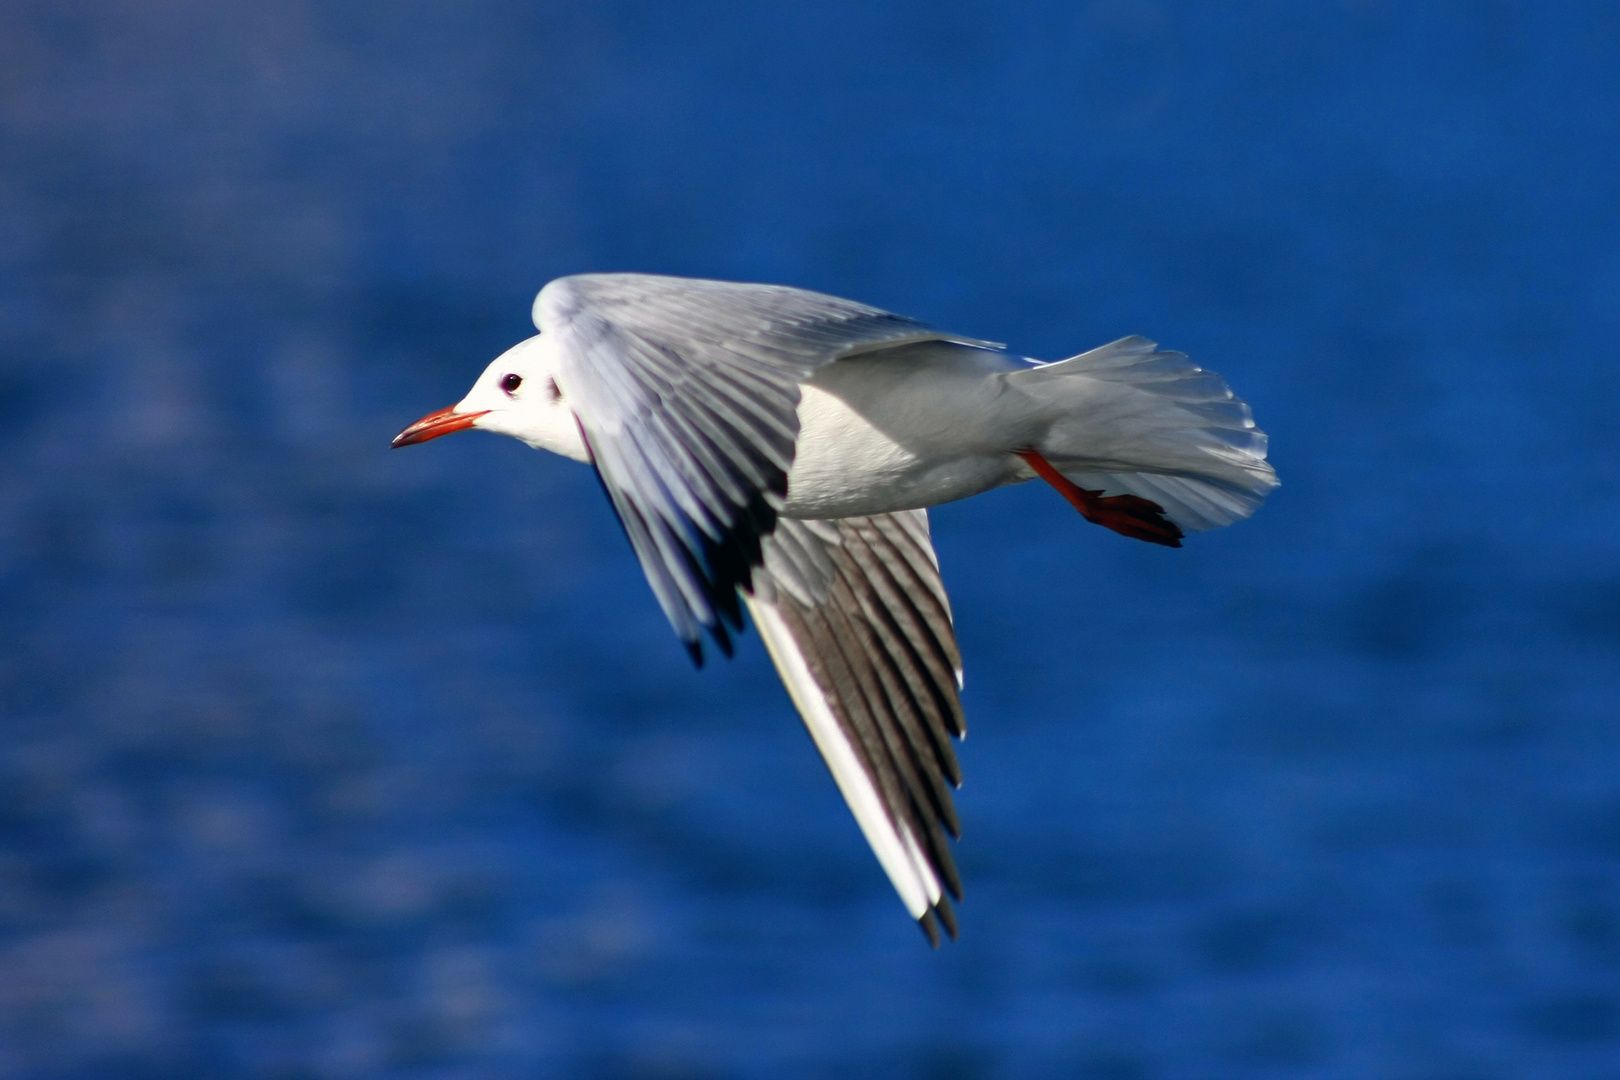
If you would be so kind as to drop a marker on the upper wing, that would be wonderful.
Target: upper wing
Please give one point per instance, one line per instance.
(855, 618)
(687, 394)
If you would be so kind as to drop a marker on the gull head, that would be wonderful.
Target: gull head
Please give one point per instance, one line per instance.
(517, 395)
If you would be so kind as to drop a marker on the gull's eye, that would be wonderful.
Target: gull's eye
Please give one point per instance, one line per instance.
(511, 382)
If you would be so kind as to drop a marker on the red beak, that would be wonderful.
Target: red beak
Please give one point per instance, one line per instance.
(433, 425)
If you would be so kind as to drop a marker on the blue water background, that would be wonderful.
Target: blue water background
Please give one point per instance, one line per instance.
(321, 760)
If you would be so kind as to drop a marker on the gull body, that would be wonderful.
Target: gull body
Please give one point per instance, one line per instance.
(776, 449)
(909, 428)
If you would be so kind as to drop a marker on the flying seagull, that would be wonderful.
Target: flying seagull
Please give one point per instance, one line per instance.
(775, 449)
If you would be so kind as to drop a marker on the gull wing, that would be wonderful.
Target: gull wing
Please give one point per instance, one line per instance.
(687, 395)
(855, 617)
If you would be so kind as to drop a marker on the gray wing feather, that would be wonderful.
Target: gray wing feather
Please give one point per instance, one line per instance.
(860, 603)
(687, 394)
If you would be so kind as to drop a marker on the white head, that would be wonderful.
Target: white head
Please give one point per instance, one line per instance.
(517, 395)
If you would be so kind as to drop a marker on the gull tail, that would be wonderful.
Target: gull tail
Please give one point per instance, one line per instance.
(1132, 420)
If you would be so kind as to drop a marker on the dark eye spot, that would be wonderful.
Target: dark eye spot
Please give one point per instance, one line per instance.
(511, 382)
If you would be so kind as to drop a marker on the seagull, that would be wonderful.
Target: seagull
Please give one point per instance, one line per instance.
(774, 449)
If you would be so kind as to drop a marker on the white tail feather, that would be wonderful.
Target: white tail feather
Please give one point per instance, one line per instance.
(1129, 418)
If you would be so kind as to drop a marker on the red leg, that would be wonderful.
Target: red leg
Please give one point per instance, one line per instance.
(1128, 515)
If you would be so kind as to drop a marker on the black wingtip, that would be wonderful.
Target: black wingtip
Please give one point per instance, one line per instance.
(930, 928)
(722, 639)
(947, 915)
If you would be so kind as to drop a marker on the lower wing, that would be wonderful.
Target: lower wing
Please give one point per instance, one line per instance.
(856, 620)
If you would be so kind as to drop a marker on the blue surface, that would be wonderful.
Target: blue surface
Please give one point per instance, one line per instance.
(318, 760)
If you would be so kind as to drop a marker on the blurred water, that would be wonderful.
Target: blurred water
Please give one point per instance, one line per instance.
(318, 760)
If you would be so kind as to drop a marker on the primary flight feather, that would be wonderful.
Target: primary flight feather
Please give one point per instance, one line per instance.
(776, 449)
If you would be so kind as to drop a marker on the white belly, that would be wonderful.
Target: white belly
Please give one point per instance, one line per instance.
(899, 430)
